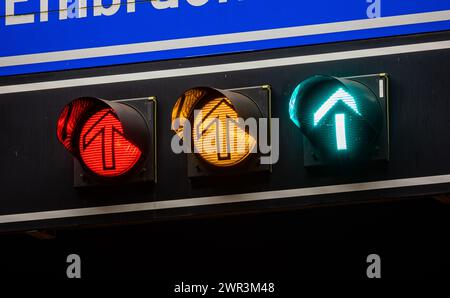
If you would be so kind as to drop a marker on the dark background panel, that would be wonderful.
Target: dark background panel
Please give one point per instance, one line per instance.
(36, 172)
(281, 247)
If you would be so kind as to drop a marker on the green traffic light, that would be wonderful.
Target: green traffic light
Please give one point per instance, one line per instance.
(341, 119)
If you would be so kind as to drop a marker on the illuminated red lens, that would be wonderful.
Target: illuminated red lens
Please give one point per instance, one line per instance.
(103, 146)
(68, 120)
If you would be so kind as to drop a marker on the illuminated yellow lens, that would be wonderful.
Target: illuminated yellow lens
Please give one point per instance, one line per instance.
(216, 135)
(184, 106)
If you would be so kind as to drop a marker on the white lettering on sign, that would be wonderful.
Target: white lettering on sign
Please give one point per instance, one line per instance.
(12, 18)
(100, 10)
(70, 9)
(163, 4)
(197, 2)
(44, 10)
(131, 6)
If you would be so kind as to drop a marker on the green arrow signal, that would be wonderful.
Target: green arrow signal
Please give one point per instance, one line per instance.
(339, 95)
(345, 97)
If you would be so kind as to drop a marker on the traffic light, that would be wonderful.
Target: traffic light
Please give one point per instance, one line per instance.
(344, 120)
(113, 142)
(221, 129)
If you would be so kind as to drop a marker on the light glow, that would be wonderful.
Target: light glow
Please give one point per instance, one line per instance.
(292, 104)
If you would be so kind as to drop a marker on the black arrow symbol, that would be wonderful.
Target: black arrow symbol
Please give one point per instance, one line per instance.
(104, 131)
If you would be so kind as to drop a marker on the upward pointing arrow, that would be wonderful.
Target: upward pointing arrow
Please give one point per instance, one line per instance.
(106, 128)
(223, 142)
(339, 95)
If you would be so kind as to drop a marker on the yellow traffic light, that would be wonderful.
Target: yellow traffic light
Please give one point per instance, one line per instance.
(220, 129)
(217, 136)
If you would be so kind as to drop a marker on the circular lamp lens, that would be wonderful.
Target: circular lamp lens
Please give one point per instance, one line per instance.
(217, 136)
(341, 118)
(103, 146)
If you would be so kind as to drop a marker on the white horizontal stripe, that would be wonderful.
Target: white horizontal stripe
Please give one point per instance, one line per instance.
(249, 65)
(227, 199)
(230, 38)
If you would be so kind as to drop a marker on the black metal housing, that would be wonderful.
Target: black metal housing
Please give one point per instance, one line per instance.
(379, 150)
(248, 102)
(137, 118)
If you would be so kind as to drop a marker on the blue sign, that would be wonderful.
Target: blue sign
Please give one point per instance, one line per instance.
(45, 35)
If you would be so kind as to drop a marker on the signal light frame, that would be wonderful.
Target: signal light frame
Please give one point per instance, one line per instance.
(138, 120)
(248, 102)
(377, 85)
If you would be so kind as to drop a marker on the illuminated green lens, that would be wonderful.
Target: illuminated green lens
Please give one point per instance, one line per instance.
(340, 118)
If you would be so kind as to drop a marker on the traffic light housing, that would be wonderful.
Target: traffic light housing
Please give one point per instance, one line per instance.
(112, 142)
(343, 120)
(218, 144)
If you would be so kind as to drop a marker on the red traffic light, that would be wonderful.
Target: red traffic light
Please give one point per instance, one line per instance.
(104, 148)
(109, 139)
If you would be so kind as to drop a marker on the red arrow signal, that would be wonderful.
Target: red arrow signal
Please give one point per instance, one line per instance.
(103, 146)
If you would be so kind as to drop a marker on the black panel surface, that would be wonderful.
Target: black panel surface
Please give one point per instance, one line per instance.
(36, 172)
